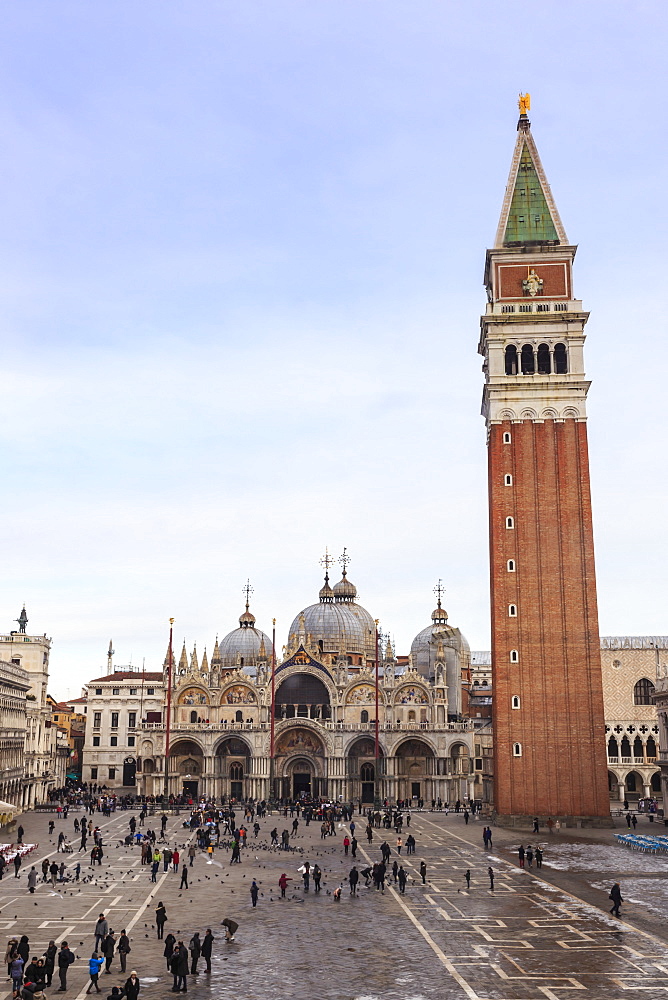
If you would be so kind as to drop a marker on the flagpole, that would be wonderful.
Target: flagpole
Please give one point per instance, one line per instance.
(273, 709)
(169, 707)
(377, 745)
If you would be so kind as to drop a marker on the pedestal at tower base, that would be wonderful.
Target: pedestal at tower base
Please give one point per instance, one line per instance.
(566, 822)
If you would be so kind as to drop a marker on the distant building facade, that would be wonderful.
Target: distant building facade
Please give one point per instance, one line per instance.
(31, 653)
(630, 666)
(14, 686)
(115, 706)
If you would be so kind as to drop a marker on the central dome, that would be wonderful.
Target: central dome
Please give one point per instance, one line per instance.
(337, 624)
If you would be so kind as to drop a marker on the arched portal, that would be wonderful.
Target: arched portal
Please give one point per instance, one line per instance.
(302, 696)
(415, 760)
(362, 770)
(300, 763)
(186, 762)
(232, 767)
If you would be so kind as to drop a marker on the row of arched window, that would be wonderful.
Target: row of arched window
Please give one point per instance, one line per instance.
(544, 361)
(623, 748)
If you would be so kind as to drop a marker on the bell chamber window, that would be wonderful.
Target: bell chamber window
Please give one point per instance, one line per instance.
(544, 363)
(528, 364)
(560, 359)
(511, 360)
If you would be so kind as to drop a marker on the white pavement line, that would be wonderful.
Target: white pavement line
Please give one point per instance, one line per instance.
(571, 895)
(98, 902)
(63, 934)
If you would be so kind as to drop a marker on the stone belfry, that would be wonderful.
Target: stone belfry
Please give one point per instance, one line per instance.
(549, 749)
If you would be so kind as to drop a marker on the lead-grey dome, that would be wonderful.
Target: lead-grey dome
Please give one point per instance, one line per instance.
(245, 646)
(340, 625)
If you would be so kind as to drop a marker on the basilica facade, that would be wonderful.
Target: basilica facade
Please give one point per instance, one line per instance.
(320, 738)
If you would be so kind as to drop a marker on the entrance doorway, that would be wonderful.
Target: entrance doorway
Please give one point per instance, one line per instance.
(368, 774)
(415, 789)
(190, 789)
(301, 784)
(129, 771)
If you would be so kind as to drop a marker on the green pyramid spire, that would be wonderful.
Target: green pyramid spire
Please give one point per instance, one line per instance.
(529, 218)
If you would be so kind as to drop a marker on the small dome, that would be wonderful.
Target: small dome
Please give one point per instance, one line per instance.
(439, 614)
(326, 593)
(247, 619)
(344, 590)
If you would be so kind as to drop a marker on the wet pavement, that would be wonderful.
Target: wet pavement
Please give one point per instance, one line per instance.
(537, 935)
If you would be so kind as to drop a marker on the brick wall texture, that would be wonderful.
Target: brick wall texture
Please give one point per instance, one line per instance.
(560, 723)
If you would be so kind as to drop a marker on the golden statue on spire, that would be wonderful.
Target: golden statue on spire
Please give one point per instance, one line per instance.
(524, 103)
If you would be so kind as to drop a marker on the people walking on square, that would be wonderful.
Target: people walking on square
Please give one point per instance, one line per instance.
(539, 858)
(50, 962)
(403, 878)
(207, 948)
(353, 879)
(195, 949)
(529, 856)
(254, 892)
(181, 975)
(283, 884)
(317, 875)
(161, 919)
(184, 876)
(123, 949)
(108, 949)
(490, 872)
(616, 897)
(168, 951)
(423, 872)
(65, 959)
(131, 987)
(521, 853)
(17, 864)
(101, 930)
(467, 876)
(95, 963)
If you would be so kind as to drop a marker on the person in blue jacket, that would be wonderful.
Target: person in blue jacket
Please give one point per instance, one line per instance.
(95, 963)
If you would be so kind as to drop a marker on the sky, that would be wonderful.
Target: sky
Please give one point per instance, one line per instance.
(241, 257)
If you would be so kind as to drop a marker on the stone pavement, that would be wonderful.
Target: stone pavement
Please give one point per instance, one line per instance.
(528, 940)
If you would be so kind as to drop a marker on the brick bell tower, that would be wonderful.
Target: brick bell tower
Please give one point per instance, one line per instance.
(549, 748)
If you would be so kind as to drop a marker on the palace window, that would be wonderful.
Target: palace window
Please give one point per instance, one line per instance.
(96, 741)
(113, 741)
(132, 720)
(508, 480)
(239, 716)
(511, 565)
(506, 437)
(514, 656)
(364, 715)
(112, 772)
(560, 359)
(98, 690)
(642, 692)
(115, 690)
(150, 690)
(131, 741)
(511, 360)
(515, 701)
(510, 523)
(193, 716)
(517, 749)
(133, 690)
(114, 720)
(97, 720)
(93, 773)
(512, 611)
